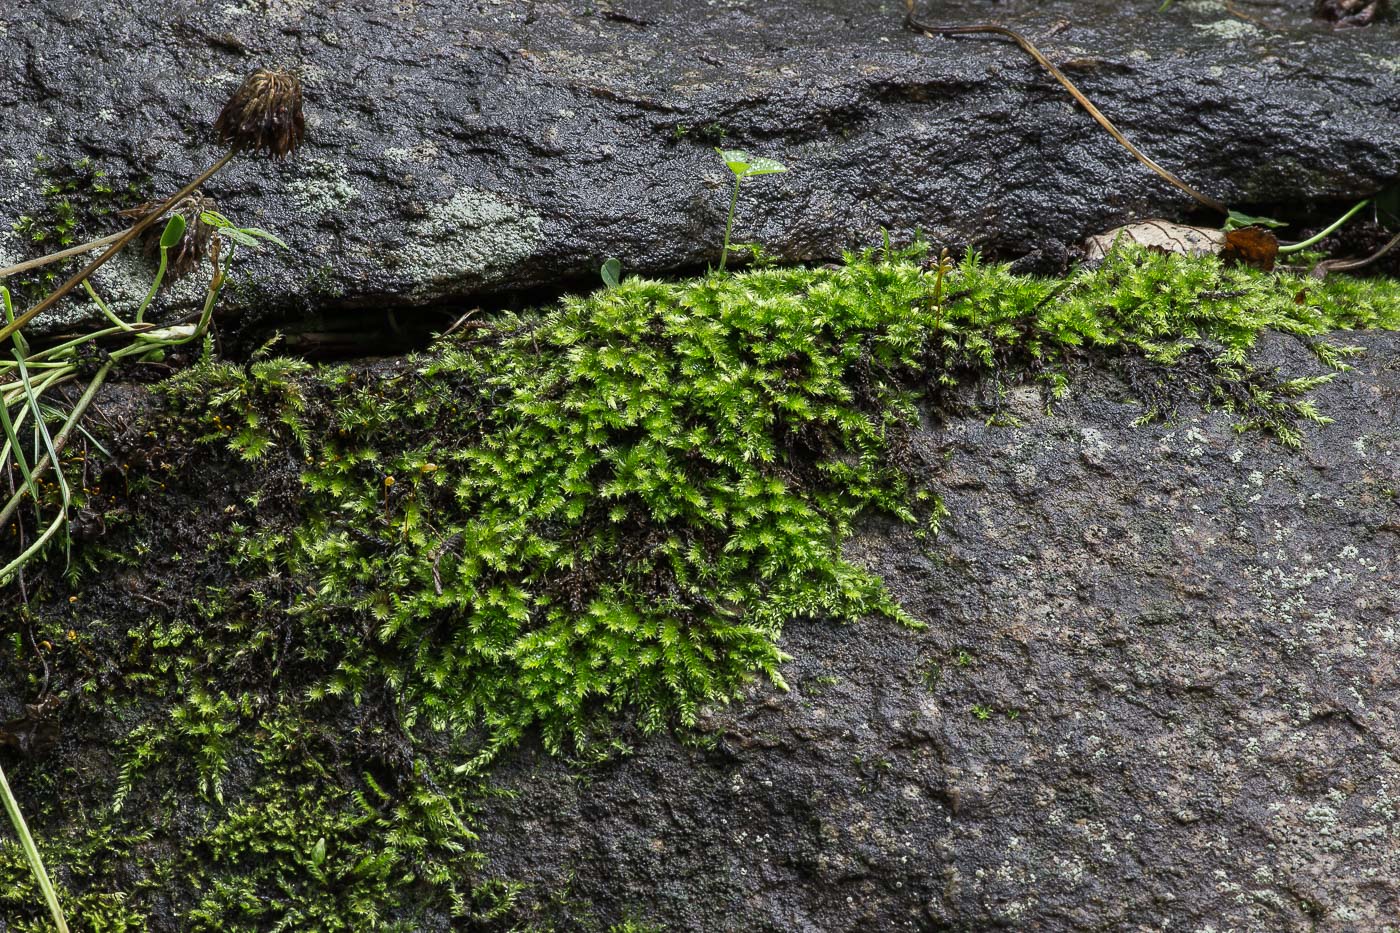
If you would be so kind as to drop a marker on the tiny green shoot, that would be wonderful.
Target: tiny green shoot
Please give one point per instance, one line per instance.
(611, 272)
(1238, 219)
(243, 236)
(169, 239)
(1326, 231)
(743, 166)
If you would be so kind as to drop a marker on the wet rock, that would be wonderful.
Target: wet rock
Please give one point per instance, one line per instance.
(1158, 694)
(1350, 12)
(457, 150)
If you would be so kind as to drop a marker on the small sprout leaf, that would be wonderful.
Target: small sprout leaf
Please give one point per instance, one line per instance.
(263, 235)
(612, 272)
(762, 166)
(736, 159)
(1238, 219)
(174, 230)
(746, 166)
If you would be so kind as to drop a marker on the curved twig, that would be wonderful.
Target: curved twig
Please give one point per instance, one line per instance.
(78, 250)
(930, 30)
(1351, 265)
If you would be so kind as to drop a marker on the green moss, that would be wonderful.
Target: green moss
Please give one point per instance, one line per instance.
(79, 200)
(601, 515)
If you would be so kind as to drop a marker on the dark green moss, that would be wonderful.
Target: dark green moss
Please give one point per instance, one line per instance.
(330, 597)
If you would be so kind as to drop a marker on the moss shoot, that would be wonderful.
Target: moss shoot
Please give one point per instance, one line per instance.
(328, 598)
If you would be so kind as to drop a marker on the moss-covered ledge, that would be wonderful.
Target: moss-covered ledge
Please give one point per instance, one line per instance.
(310, 606)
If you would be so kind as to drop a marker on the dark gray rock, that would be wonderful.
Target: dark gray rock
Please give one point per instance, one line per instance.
(460, 148)
(1158, 690)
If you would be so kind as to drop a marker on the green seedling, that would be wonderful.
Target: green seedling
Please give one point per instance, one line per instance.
(25, 378)
(743, 166)
(611, 272)
(1238, 219)
(1325, 232)
(940, 269)
(241, 236)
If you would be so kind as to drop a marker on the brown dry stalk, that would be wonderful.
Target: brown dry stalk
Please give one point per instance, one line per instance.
(1351, 265)
(72, 251)
(929, 30)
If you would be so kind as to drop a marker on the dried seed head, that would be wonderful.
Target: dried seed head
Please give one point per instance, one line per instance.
(264, 115)
(186, 255)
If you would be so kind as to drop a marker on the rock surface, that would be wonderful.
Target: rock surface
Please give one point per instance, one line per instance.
(1158, 690)
(459, 149)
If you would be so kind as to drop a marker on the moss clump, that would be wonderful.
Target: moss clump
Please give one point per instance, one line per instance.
(615, 505)
(361, 584)
(79, 200)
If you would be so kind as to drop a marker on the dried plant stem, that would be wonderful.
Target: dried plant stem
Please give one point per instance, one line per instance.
(61, 254)
(931, 30)
(136, 230)
(1351, 265)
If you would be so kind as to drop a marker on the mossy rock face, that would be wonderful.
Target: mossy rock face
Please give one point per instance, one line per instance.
(456, 150)
(857, 597)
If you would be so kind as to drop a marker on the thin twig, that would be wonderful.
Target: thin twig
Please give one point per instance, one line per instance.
(1351, 265)
(61, 254)
(459, 322)
(929, 30)
(44, 690)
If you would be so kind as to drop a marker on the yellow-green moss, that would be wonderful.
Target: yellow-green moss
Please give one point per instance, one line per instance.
(361, 584)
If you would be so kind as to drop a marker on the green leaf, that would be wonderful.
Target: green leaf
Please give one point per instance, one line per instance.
(744, 165)
(612, 272)
(1238, 219)
(736, 159)
(762, 166)
(174, 230)
(261, 234)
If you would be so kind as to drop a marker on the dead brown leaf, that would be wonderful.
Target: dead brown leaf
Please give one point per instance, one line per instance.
(1251, 246)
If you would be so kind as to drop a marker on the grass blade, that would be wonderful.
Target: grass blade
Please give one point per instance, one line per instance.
(43, 431)
(59, 443)
(31, 854)
(12, 444)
